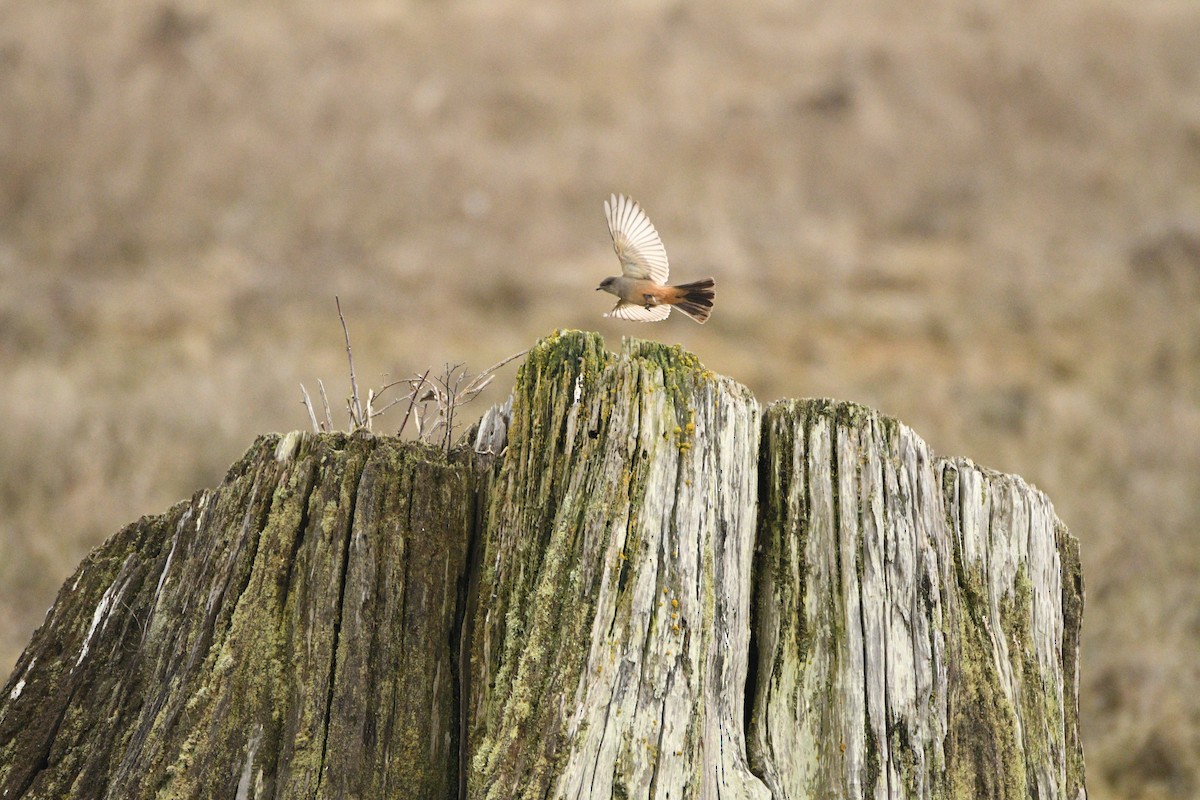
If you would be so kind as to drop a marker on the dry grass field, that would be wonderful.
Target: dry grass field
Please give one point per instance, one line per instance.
(980, 217)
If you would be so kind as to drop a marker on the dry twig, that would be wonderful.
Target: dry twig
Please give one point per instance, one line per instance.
(312, 415)
(325, 403)
(355, 405)
(433, 405)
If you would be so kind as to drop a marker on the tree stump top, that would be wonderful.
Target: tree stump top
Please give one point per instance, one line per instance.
(647, 586)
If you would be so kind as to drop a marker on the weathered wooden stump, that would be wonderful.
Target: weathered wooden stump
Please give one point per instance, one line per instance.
(916, 620)
(612, 624)
(286, 635)
(645, 590)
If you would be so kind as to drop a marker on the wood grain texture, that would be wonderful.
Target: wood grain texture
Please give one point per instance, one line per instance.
(916, 619)
(612, 628)
(634, 584)
(285, 635)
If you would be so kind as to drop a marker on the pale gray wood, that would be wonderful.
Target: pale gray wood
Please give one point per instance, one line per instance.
(613, 627)
(912, 619)
(580, 608)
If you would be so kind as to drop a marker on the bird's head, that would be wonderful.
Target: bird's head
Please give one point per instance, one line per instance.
(606, 284)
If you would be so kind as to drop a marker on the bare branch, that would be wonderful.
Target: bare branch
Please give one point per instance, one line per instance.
(325, 402)
(422, 430)
(472, 390)
(412, 400)
(383, 409)
(312, 415)
(487, 373)
(433, 402)
(356, 412)
(386, 386)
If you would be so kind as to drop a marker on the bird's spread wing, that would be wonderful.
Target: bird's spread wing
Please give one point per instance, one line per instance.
(636, 313)
(637, 244)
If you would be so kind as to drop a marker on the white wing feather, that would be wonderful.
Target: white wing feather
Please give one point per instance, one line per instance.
(635, 241)
(635, 313)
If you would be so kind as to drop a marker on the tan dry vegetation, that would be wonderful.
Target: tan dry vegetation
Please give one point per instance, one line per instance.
(979, 217)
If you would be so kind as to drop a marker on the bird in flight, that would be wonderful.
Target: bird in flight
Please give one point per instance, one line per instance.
(642, 284)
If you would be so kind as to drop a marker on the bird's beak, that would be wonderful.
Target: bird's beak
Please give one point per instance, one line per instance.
(598, 288)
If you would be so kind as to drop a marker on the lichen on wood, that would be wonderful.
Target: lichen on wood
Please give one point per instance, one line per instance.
(285, 635)
(633, 584)
(911, 619)
(613, 613)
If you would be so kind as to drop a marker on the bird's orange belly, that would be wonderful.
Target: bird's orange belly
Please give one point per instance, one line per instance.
(646, 293)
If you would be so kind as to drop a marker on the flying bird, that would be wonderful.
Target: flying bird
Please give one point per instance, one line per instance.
(642, 284)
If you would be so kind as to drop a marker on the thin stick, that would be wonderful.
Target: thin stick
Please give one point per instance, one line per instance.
(495, 367)
(325, 403)
(312, 415)
(379, 412)
(453, 401)
(386, 386)
(475, 388)
(412, 401)
(373, 412)
(422, 413)
(356, 413)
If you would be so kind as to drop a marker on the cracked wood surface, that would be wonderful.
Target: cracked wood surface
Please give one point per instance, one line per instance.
(612, 629)
(245, 643)
(916, 619)
(644, 587)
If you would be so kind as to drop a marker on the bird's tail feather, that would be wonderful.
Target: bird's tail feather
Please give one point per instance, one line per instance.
(696, 299)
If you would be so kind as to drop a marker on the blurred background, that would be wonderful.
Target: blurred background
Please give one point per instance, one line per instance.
(980, 217)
